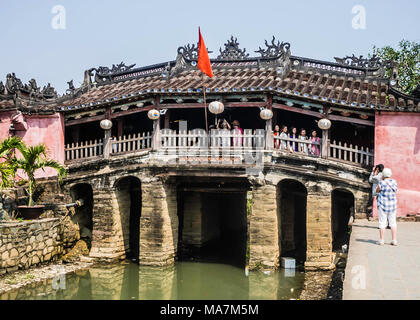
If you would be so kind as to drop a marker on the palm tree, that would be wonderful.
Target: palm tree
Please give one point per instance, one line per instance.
(34, 158)
(8, 166)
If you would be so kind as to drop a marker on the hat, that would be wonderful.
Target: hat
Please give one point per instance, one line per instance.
(387, 173)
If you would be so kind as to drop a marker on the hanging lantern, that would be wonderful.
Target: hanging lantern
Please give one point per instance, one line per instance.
(153, 114)
(324, 124)
(216, 107)
(364, 116)
(106, 124)
(266, 114)
(346, 114)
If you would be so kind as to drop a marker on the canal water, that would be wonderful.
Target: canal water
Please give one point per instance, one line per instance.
(184, 281)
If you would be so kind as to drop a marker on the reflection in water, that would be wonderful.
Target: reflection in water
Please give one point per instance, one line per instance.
(184, 281)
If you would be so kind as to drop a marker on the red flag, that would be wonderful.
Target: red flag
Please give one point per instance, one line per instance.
(203, 57)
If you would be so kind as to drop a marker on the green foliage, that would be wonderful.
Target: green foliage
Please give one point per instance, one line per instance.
(8, 164)
(407, 57)
(33, 158)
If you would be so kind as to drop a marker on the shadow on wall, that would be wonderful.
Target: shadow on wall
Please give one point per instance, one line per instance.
(292, 197)
(83, 215)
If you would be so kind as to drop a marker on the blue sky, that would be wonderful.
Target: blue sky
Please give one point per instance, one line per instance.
(147, 32)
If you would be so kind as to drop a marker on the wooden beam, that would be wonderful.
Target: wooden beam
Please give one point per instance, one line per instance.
(297, 110)
(320, 115)
(351, 120)
(161, 106)
(84, 120)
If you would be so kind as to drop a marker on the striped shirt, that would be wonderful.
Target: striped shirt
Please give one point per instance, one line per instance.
(387, 197)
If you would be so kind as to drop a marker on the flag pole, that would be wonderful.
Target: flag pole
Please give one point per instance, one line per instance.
(205, 105)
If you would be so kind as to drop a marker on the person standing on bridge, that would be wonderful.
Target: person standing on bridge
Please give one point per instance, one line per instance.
(387, 206)
(374, 178)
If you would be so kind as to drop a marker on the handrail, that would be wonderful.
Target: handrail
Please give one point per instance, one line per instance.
(226, 140)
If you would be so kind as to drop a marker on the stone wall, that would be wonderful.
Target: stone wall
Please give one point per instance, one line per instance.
(28, 243)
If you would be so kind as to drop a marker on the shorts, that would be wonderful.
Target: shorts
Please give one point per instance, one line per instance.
(383, 217)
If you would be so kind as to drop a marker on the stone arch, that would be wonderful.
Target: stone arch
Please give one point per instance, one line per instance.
(82, 193)
(342, 208)
(128, 196)
(292, 198)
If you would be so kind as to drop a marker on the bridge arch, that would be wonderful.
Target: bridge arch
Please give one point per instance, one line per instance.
(83, 216)
(128, 195)
(291, 198)
(342, 208)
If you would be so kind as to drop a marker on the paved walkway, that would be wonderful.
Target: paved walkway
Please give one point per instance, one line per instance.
(383, 272)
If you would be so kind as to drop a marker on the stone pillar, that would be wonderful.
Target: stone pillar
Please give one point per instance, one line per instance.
(319, 253)
(107, 241)
(158, 223)
(361, 202)
(263, 228)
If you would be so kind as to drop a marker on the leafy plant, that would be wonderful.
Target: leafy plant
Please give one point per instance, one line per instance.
(8, 165)
(34, 158)
(407, 57)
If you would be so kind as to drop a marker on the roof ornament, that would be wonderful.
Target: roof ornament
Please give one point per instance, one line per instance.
(373, 62)
(104, 74)
(13, 84)
(32, 88)
(274, 50)
(48, 92)
(2, 87)
(71, 88)
(232, 51)
(189, 52)
(121, 67)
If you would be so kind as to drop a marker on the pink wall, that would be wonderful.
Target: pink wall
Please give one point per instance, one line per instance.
(48, 129)
(397, 146)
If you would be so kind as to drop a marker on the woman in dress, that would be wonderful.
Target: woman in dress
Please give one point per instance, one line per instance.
(293, 146)
(315, 147)
(276, 133)
(237, 132)
(283, 135)
(303, 147)
(223, 128)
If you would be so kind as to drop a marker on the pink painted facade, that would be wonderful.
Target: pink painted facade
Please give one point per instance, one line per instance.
(47, 129)
(397, 146)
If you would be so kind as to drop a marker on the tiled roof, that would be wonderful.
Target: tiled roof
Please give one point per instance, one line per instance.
(307, 82)
(350, 82)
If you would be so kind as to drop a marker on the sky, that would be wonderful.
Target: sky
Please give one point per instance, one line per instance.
(35, 43)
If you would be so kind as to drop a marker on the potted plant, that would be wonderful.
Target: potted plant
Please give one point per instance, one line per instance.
(34, 158)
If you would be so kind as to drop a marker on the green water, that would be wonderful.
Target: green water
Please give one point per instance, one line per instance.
(185, 280)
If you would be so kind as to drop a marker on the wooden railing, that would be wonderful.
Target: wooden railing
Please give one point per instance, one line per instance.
(355, 154)
(196, 139)
(84, 150)
(303, 146)
(224, 140)
(131, 143)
